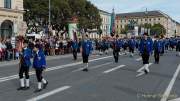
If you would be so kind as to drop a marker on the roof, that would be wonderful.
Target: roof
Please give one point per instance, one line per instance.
(177, 23)
(104, 11)
(141, 14)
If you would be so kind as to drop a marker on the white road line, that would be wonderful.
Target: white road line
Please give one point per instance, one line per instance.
(98, 66)
(113, 69)
(170, 86)
(138, 59)
(15, 62)
(95, 67)
(141, 72)
(3, 79)
(40, 97)
(177, 99)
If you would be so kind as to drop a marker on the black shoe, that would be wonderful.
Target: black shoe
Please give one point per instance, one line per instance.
(45, 85)
(146, 72)
(21, 88)
(85, 70)
(27, 88)
(37, 90)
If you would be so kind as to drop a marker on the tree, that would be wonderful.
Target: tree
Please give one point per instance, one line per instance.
(146, 25)
(37, 11)
(125, 30)
(158, 29)
(62, 11)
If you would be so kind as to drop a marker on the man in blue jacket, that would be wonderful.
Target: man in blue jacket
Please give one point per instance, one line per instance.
(116, 48)
(39, 64)
(132, 45)
(178, 46)
(75, 49)
(24, 66)
(86, 51)
(157, 46)
(162, 41)
(145, 49)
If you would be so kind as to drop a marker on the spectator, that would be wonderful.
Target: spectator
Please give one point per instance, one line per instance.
(8, 50)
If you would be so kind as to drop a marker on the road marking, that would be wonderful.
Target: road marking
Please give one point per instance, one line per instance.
(171, 84)
(177, 99)
(113, 69)
(3, 79)
(138, 59)
(141, 70)
(97, 66)
(40, 97)
(15, 62)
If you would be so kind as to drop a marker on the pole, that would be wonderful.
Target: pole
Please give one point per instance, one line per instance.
(49, 12)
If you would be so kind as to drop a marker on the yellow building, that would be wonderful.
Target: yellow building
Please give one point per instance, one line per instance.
(141, 18)
(178, 29)
(11, 18)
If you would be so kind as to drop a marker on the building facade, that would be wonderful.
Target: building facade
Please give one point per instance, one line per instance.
(106, 22)
(148, 17)
(105, 25)
(177, 29)
(11, 18)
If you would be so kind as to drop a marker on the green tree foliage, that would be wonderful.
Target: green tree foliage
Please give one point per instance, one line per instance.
(62, 11)
(125, 30)
(158, 29)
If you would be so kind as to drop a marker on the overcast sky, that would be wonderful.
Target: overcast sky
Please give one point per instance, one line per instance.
(170, 7)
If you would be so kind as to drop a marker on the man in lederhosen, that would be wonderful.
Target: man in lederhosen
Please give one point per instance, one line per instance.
(116, 49)
(24, 66)
(131, 44)
(146, 51)
(39, 64)
(86, 51)
(157, 49)
(178, 46)
(75, 48)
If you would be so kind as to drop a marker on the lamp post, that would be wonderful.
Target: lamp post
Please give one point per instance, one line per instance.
(146, 14)
(49, 12)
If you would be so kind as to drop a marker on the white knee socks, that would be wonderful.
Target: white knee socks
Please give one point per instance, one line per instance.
(22, 82)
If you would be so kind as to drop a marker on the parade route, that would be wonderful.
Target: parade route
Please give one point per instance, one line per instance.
(105, 81)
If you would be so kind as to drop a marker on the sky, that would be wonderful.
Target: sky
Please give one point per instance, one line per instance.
(170, 7)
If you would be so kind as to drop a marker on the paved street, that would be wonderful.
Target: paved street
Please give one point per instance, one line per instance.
(106, 80)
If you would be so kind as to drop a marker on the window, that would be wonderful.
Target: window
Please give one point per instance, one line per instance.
(149, 19)
(7, 4)
(159, 19)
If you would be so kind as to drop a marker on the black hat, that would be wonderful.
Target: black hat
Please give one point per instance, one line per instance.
(117, 36)
(25, 41)
(37, 46)
(146, 34)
